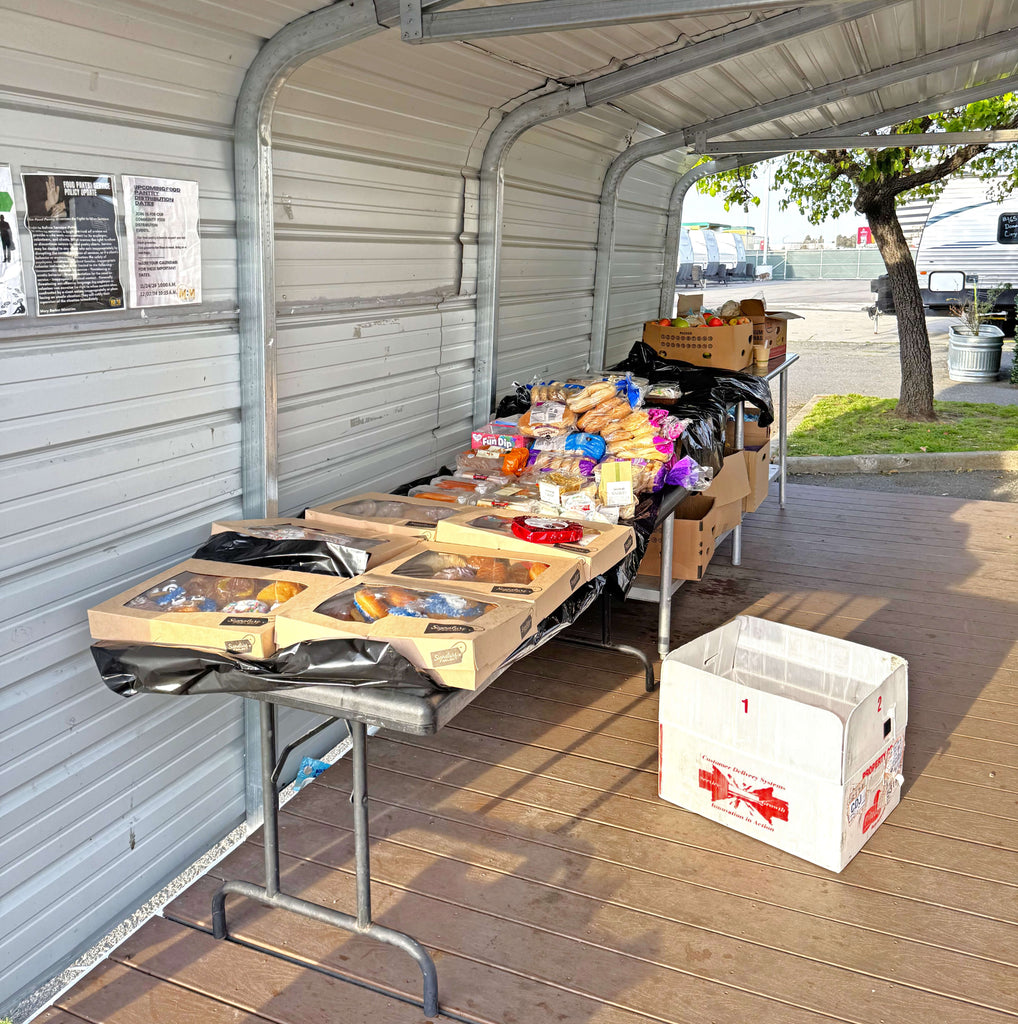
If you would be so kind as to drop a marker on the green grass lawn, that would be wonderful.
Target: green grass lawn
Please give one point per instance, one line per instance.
(857, 425)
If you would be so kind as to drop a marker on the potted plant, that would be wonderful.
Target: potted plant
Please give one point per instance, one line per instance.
(974, 345)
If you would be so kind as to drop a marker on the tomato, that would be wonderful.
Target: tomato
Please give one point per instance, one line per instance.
(664, 323)
(715, 321)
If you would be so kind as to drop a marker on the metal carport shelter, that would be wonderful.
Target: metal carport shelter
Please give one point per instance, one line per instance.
(406, 228)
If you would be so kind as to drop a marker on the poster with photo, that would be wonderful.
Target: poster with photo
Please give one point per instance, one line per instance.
(163, 244)
(72, 219)
(12, 276)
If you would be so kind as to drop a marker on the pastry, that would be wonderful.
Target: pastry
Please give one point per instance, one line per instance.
(370, 605)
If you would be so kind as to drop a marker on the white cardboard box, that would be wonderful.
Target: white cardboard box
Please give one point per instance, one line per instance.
(788, 736)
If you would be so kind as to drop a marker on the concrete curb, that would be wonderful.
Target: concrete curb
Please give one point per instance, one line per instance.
(920, 462)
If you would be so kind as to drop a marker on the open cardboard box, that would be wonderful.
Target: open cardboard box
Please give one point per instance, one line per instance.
(770, 326)
(602, 546)
(792, 737)
(484, 572)
(387, 513)
(700, 521)
(242, 621)
(378, 546)
(722, 348)
(461, 644)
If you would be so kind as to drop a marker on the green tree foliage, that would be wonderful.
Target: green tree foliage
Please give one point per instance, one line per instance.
(824, 184)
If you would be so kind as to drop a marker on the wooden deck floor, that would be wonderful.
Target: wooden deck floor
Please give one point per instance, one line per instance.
(526, 847)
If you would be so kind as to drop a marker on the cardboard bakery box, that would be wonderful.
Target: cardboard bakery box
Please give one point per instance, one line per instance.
(459, 639)
(368, 546)
(212, 605)
(388, 513)
(701, 521)
(543, 581)
(602, 547)
(770, 326)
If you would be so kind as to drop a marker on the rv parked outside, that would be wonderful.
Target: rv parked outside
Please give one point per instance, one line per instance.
(968, 241)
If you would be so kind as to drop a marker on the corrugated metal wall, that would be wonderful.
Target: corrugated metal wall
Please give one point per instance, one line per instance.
(121, 440)
(376, 240)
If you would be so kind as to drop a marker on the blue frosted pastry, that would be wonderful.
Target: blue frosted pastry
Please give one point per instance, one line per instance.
(452, 606)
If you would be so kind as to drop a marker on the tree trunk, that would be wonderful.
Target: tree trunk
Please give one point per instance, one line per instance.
(915, 400)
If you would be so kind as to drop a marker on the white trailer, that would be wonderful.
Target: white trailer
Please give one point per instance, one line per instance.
(968, 241)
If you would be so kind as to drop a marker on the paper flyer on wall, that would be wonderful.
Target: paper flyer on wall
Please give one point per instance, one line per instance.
(12, 277)
(72, 218)
(163, 244)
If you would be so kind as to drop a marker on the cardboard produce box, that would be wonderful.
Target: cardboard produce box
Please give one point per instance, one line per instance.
(388, 513)
(792, 737)
(459, 639)
(212, 605)
(720, 348)
(377, 547)
(602, 546)
(543, 582)
(770, 326)
(701, 521)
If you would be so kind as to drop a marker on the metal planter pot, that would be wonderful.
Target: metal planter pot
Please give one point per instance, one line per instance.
(973, 357)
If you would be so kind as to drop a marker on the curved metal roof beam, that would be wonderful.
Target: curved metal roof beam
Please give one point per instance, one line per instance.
(296, 43)
(601, 90)
(810, 99)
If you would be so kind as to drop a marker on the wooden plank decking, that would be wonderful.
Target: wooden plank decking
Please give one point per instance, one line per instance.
(526, 847)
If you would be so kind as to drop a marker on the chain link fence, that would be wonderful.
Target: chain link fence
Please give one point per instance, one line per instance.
(823, 264)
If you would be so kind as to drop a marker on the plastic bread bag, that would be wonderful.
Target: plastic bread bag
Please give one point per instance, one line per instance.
(552, 391)
(591, 446)
(572, 463)
(685, 472)
(435, 564)
(371, 509)
(455, 499)
(462, 485)
(547, 419)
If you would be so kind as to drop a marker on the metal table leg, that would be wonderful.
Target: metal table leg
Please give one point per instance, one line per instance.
(740, 438)
(606, 643)
(664, 606)
(270, 894)
(782, 434)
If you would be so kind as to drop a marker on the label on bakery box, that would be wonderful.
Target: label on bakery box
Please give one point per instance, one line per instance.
(450, 627)
(245, 645)
(525, 626)
(421, 526)
(450, 656)
(573, 547)
(574, 579)
(512, 590)
(630, 541)
(243, 620)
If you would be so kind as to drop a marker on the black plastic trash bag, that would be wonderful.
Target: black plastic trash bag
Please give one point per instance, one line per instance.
(128, 669)
(319, 556)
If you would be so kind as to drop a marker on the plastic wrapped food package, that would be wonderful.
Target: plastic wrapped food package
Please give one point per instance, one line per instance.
(188, 592)
(310, 533)
(543, 530)
(552, 391)
(481, 463)
(570, 463)
(445, 565)
(369, 603)
(592, 446)
(369, 508)
(546, 419)
(504, 434)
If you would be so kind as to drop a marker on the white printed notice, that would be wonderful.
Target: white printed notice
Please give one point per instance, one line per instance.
(163, 246)
(12, 279)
